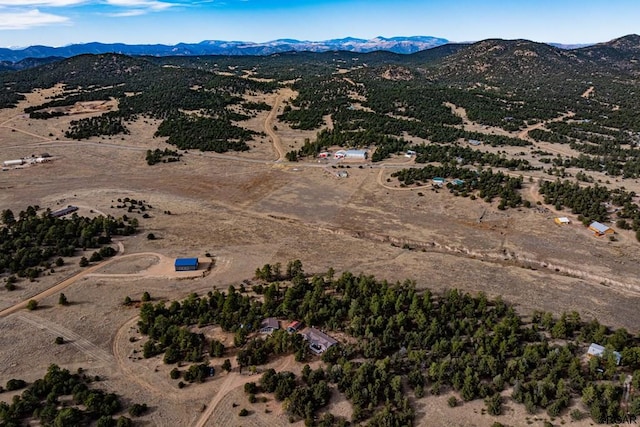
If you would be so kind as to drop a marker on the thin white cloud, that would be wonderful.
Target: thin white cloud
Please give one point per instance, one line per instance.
(132, 12)
(47, 3)
(140, 5)
(30, 19)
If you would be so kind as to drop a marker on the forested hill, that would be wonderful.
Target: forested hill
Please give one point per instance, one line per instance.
(373, 98)
(621, 53)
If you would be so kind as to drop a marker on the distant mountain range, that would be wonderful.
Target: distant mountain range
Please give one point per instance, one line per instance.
(218, 47)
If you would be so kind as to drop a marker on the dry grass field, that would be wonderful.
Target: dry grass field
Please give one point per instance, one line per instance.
(247, 210)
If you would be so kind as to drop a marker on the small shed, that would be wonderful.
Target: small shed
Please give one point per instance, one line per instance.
(600, 229)
(562, 220)
(474, 142)
(438, 181)
(340, 154)
(186, 264)
(269, 325)
(294, 327)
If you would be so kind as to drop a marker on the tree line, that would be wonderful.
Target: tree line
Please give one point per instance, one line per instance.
(30, 241)
(63, 399)
(406, 341)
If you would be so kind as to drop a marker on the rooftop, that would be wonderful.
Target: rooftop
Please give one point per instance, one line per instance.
(185, 262)
(270, 322)
(601, 228)
(319, 337)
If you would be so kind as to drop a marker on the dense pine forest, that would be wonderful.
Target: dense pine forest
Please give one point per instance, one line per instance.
(398, 343)
(33, 242)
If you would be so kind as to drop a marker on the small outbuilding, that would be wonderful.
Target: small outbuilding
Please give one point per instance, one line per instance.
(474, 142)
(600, 229)
(319, 342)
(438, 181)
(269, 325)
(64, 211)
(186, 264)
(17, 162)
(340, 154)
(596, 350)
(562, 220)
(294, 327)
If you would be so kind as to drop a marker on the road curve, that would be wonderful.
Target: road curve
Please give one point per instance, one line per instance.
(268, 128)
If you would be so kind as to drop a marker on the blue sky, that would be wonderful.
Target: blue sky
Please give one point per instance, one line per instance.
(62, 22)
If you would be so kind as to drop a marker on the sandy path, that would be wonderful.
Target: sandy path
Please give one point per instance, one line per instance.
(268, 127)
(120, 355)
(587, 93)
(233, 381)
(524, 134)
(5, 124)
(82, 344)
(65, 283)
(163, 269)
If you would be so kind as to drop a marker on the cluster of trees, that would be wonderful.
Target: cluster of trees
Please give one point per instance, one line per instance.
(30, 241)
(106, 124)
(593, 203)
(408, 340)
(485, 184)
(43, 115)
(604, 149)
(143, 88)
(158, 155)
(302, 399)
(204, 133)
(47, 400)
(588, 201)
(132, 205)
(317, 97)
(256, 106)
(461, 155)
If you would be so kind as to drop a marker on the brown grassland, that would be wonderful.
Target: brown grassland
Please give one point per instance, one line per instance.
(247, 210)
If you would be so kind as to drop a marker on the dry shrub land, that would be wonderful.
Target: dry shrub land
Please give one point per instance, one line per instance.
(238, 210)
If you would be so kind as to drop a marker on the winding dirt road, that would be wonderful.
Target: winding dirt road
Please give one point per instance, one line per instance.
(269, 130)
(56, 288)
(233, 381)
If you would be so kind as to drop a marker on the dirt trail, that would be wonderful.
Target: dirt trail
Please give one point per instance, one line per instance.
(389, 187)
(82, 344)
(587, 93)
(65, 283)
(524, 134)
(233, 381)
(120, 355)
(163, 269)
(5, 124)
(268, 123)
